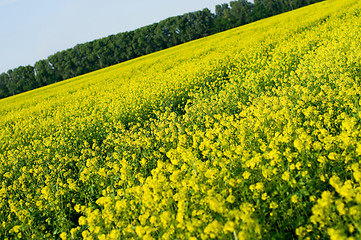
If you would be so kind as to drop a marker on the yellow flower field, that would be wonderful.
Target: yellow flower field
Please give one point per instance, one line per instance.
(253, 133)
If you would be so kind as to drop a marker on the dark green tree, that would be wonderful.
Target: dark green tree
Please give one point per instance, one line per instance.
(4, 91)
(45, 73)
(240, 12)
(21, 79)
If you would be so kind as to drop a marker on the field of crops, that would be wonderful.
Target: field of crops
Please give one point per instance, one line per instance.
(254, 133)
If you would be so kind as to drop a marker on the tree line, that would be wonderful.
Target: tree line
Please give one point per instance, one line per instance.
(104, 52)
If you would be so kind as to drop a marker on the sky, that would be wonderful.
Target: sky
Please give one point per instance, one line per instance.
(31, 30)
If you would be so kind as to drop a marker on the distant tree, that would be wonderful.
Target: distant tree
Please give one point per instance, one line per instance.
(55, 62)
(119, 51)
(27, 78)
(222, 18)
(240, 12)
(69, 64)
(162, 35)
(4, 91)
(182, 26)
(259, 10)
(129, 52)
(45, 73)
(21, 79)
(79, 59)
(105, 52)
(203, 22)
(151, 44)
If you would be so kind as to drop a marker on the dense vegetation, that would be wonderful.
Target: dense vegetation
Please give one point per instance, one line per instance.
(108, 51)
(248, 134)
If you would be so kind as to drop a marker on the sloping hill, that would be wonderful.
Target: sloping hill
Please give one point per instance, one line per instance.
(107, 51)
(251, 133)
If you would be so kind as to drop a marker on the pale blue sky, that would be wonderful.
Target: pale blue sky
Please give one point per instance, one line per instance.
(31, 30)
